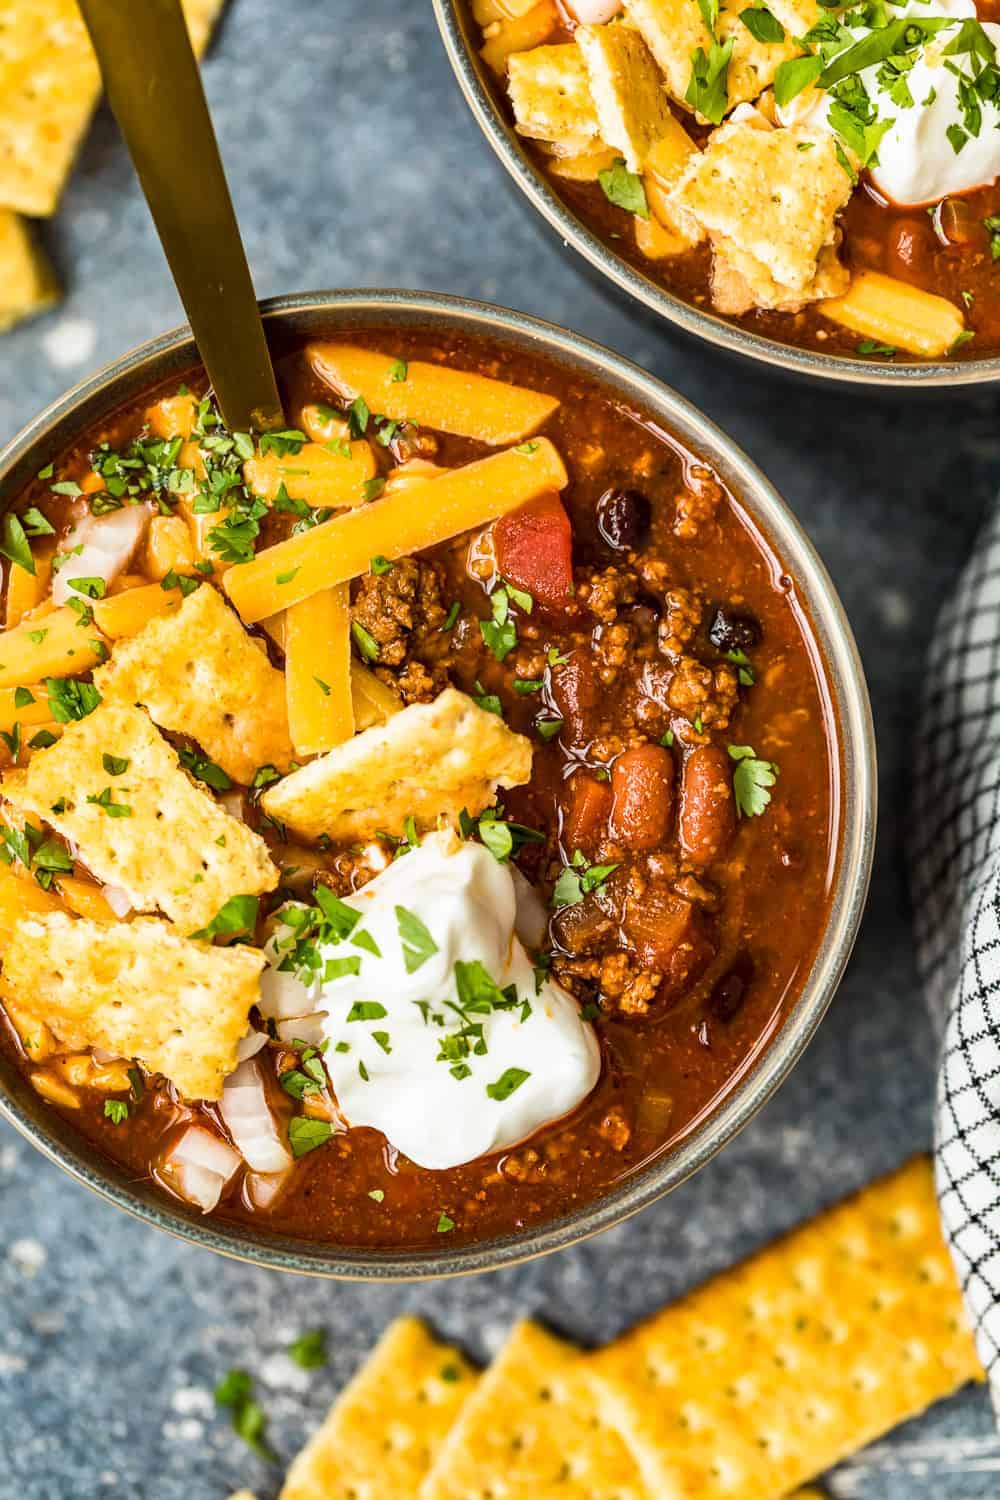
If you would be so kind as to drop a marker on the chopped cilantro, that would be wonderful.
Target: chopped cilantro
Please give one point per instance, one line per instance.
(372, 488)
(376, 1195)
(707, 91)
(115, 1110)
(305, 1134)
(398, 371)
(509, 1080)
(239, 914)
(235, 1391)
(418, 945)
(578, 879)
(752, 780)
(15, 545)
(115, 765)
(444, 1224)
(380, 565)
(367, 1010)
(454, 609)
(364, 640)
(205, 770)
(309, 1349)
(548, 728)
(105, 800)
(624, 189)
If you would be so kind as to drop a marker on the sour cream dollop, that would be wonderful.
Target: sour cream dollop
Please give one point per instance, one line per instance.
(440, 1034)
(917, 160)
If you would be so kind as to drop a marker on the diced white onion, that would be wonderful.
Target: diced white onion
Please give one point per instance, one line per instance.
(232, 801)
(263, 1188)
(106, 546)
(250, 1045)
(308, 1029)
(593, 12)
(282, 995)
(118, 899)
(200, 1166)
(249, 1120)
(531, 920)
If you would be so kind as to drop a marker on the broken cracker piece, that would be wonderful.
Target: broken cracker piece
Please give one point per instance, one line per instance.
(175, 849)
(383, 1432)
(534, 1425)
(628, 94)
(139, 990)
(768, 206)
(549, 90)
(753, 64)
(198, 672)
(49, 85)
(27, 281)
(672, 30)
(432, 760)
(806, 1352)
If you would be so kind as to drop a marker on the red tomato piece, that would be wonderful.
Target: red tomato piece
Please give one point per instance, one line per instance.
(534, 550)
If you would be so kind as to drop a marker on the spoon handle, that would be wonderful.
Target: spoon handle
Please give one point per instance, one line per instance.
(154, 88)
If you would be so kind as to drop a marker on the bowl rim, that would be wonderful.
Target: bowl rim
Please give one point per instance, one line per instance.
(471, 74)
(305, 313)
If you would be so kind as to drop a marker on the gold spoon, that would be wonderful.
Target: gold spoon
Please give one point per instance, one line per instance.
(154, 88)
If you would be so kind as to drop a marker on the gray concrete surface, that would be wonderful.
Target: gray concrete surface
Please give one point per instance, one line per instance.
(353, 162)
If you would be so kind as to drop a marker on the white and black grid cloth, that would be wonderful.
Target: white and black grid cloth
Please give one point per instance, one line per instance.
(956, 885)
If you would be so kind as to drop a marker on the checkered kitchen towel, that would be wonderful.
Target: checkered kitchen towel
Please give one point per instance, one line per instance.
(956, 885)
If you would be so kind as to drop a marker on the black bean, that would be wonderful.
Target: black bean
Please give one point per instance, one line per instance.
(729, 992)
(623, 519)
(733, 632)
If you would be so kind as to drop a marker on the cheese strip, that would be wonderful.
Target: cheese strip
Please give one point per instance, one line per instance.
(893, 312)
(814, 1347)
(384, 1430)
(122, 615)
(25, 591)
(56, 645)
(518, 34)
(20, 898)
(316, 474)
(374, 701)
(85, 899)
(394, 526)
(436, 396)
(318, 671)
(38, 712)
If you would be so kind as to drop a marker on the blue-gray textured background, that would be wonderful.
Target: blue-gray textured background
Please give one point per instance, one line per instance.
(354, 163)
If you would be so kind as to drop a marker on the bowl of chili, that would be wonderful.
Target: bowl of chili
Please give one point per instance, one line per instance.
(695, 637)
(813, 256)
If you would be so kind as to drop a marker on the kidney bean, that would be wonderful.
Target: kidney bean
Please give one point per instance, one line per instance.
(576, 689)
(707, 816)
(910, 242)
(642, 784)
(588, 806)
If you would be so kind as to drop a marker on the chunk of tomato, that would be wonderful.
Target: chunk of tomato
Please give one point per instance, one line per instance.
(534, 550)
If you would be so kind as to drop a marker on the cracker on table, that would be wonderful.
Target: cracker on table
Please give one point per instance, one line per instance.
(549, 90)
(768, 199)
(197, 672)
(628, 93)
(385, 1429)
(138, 989)
(27, 281)
(429, 761)
(534, 1427)
(177, 849)
(49, 85)
(672, 30)
(772, 1372)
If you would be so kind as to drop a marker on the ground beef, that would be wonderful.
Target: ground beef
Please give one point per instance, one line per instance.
(682, 614)
(615, 1128)
(418, 683)
(628, 987)
(696, 507)
(612, 650)
(399, 608)
(706, 693)
(604, 593)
